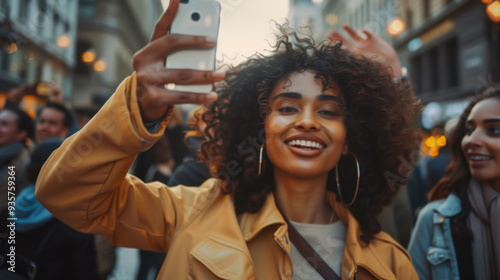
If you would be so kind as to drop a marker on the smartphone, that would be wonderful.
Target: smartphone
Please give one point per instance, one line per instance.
(200, 18)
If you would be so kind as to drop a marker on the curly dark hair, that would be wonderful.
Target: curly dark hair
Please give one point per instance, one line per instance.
(379, 114)
(457, 175)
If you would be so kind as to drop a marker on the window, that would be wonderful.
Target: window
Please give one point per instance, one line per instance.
(87, 8)
(23, 10)
(82, 68)
(426, 8)
(436, 69)
(409, 19)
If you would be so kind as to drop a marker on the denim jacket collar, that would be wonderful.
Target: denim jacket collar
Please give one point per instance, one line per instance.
(451, 206)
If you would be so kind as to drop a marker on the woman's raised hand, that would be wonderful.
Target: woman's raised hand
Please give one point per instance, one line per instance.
(369, 46)
(149, 64)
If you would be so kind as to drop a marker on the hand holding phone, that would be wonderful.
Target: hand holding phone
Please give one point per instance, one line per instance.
(198, 18)
(151, 76)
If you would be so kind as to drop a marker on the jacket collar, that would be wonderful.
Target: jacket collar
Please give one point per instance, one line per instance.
(451, 206)
(355, 252)
(253, 223)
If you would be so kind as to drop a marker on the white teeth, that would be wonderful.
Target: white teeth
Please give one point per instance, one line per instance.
(305, 144)
(479, 158)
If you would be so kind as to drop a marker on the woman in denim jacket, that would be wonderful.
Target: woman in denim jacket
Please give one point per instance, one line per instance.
(457, 234)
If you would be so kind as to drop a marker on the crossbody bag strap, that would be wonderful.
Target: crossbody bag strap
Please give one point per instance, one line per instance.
(309, 253)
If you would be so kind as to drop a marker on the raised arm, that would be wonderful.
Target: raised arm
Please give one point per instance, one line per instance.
(369, 46)
(85, 182)
(154, 99)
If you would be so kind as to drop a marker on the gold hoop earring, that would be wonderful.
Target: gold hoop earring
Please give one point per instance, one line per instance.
(357, 181)
(261, 157)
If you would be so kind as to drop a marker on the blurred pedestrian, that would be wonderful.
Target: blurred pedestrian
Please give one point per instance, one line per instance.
(54, 120)
(58, 251)
(16, 130)
(429, 171)
(319, 118)
(83, 114)
(457, 234)
(192, 171)
(160, 170)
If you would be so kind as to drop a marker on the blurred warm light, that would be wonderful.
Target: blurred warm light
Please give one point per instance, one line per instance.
(12, 48)
(43, 89)
(396, 26)
(486, 1)
(30, 104)
(430, 142)
(31, 56)
(434, 152)
(63, 41)
(493, 11)
(332, 19)
(441, 141)
(100, 66)
(88, 56)
(433, 144)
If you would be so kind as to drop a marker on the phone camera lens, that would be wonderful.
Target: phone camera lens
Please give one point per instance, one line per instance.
(195, 16)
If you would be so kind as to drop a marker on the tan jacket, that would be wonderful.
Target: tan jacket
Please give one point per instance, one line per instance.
(86, 185)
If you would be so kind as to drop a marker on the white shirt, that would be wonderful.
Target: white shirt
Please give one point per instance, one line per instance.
(327, 240)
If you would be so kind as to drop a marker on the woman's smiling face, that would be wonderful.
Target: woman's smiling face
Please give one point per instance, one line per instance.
(305, 130)
(481, 143)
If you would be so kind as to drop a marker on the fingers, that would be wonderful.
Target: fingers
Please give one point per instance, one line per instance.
(165, 45)
(164, 22)
(179, 97)
(164, 96)
(335, 36)
(354, 35)
(160, 76)
(368, 34)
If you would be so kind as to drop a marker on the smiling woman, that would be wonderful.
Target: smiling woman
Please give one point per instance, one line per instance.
(466, 201)
(291, 137)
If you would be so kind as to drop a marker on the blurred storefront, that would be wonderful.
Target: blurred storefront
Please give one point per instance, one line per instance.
(37, 46)
(109, 33)
(450, 48)
(451, 52)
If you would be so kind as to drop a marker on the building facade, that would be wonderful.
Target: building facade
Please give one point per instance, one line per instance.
(37, 43)
(327, 15)
(109, 32)
(450, 47)
(451, 51)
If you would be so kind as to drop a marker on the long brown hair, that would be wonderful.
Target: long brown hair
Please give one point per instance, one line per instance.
(457, 175)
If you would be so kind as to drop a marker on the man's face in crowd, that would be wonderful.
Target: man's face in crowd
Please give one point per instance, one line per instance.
(50, 124)
(8, 128)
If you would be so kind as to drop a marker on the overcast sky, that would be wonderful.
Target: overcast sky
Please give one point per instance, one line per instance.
(246, 25)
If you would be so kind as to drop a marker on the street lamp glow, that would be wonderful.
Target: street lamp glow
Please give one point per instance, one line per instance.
(332, 19)
(100, 66)
(493, 11)
(12, 48)
(63, 41)
(88, 56)
(396, 26)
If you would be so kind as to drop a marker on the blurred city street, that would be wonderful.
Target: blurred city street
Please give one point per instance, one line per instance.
(77, 52)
